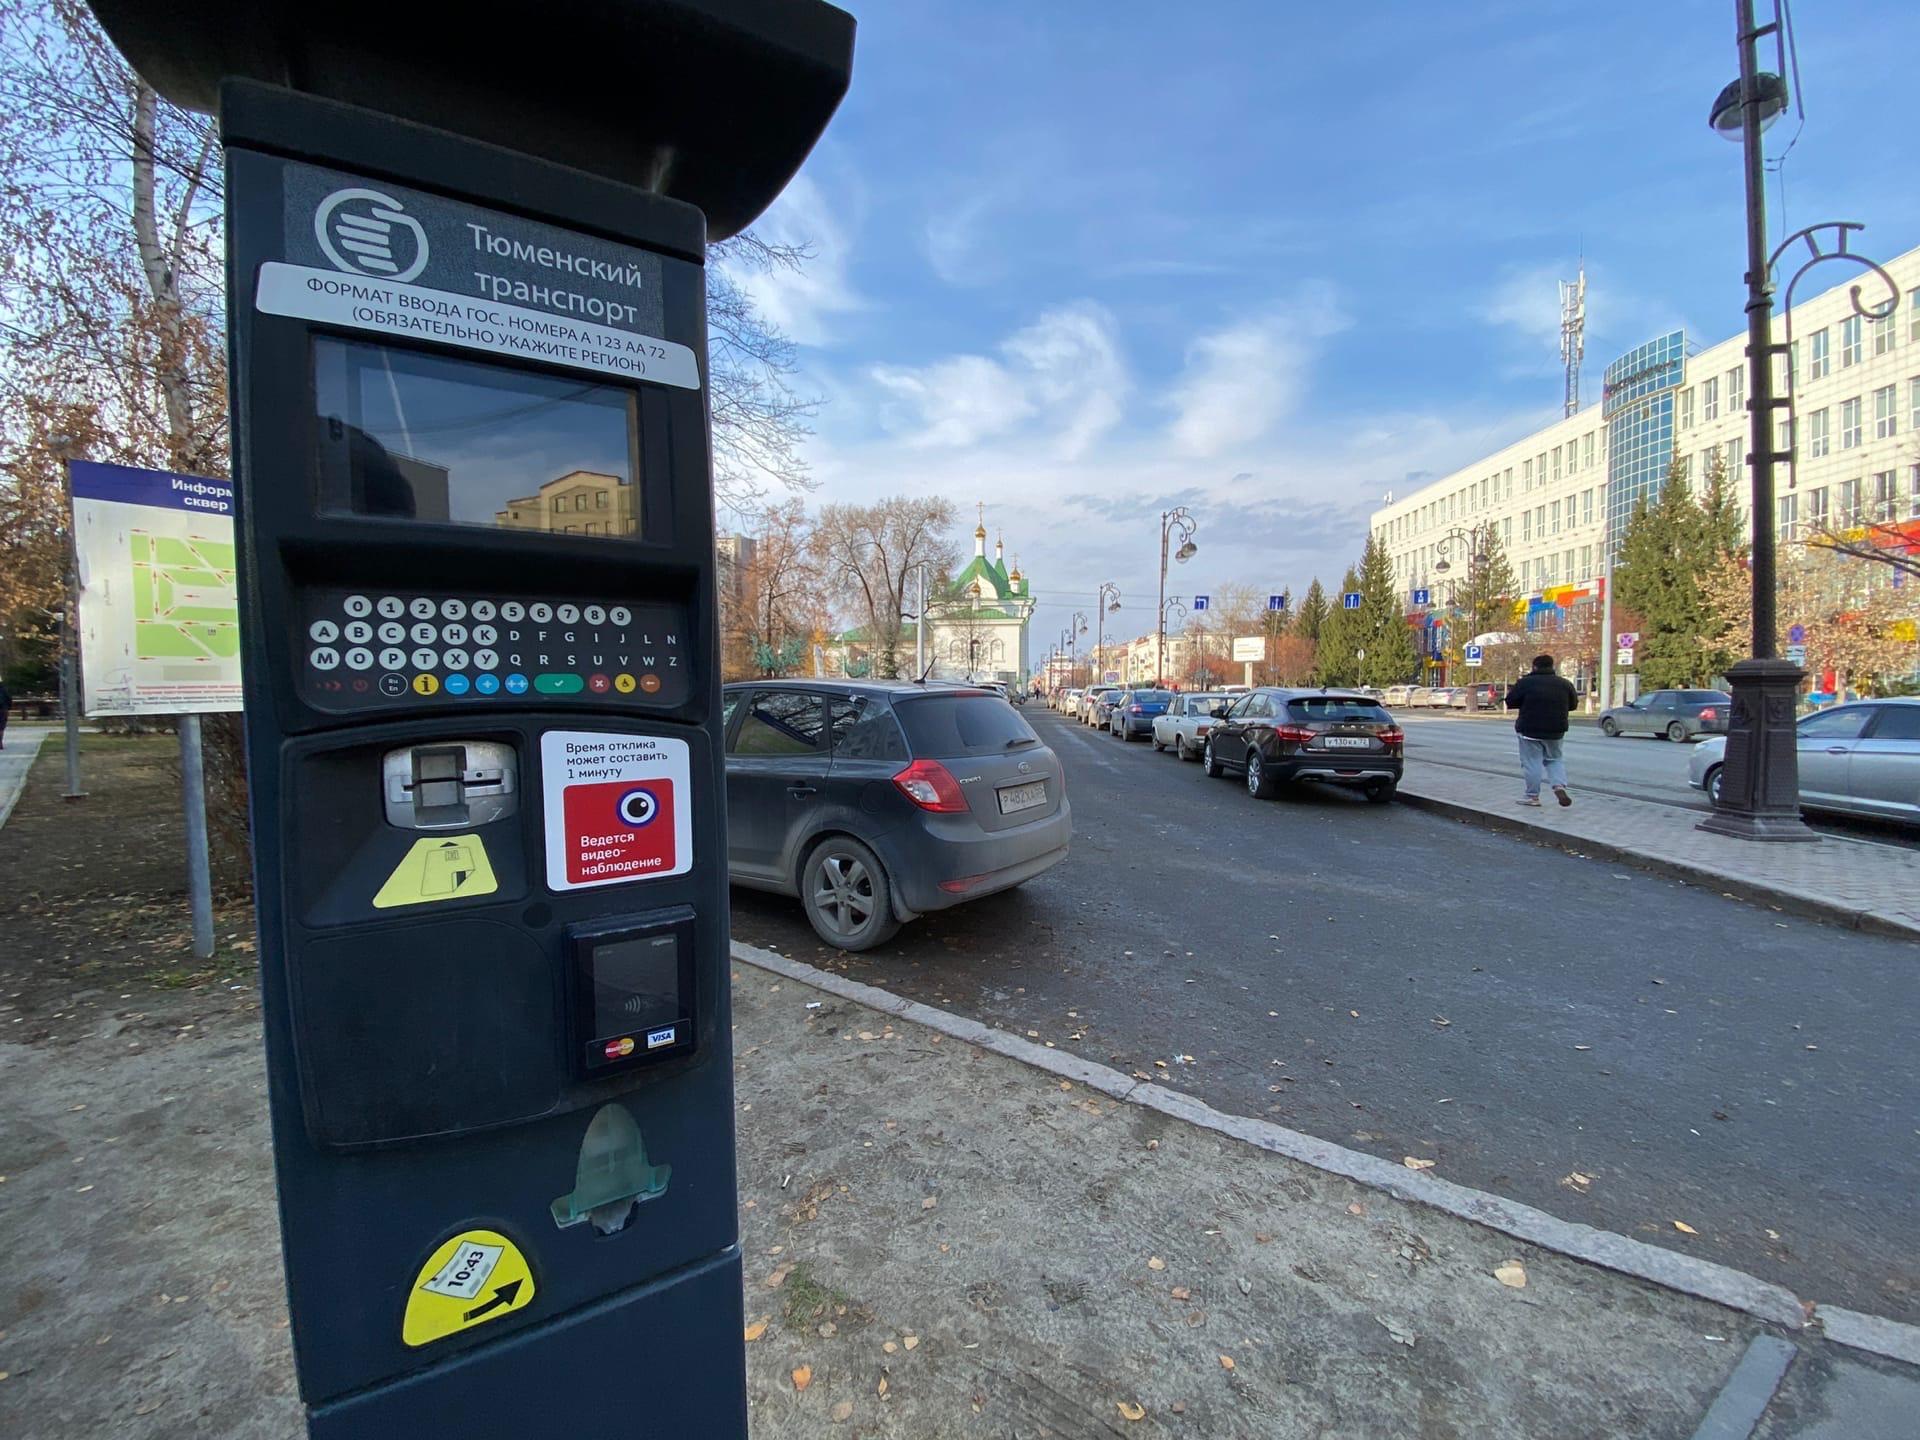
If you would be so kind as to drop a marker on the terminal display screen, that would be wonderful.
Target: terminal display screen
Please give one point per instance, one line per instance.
(407, 435)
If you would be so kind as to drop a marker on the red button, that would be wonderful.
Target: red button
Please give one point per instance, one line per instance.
(599, 684)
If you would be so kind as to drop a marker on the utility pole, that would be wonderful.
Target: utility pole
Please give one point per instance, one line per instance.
(1171, 521)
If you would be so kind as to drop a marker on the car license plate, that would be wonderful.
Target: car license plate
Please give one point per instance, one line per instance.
(1347, 742)
(1016, 798)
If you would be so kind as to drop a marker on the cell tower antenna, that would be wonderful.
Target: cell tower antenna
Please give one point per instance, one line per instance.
(1573, 333)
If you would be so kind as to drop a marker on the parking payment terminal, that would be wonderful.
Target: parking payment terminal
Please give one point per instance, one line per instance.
(470, 417)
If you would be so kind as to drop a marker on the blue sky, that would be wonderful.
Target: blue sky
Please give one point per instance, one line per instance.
(1270, 260)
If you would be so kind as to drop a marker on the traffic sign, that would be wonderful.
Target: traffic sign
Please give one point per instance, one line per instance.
(1423, 596)
(1796, 634)
(1350, 600)
(1276, 602)
(1473, 654)
(1797, 653)
(1627, 639)
(1200, 602)
(1623, 656)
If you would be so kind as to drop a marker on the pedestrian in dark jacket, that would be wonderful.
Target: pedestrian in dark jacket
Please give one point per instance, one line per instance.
(1544, 701)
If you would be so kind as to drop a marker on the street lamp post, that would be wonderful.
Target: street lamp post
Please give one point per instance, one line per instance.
(1106, 599)
(1172, 605)
(1176, 521)
(1760, 785)
(1473, 542)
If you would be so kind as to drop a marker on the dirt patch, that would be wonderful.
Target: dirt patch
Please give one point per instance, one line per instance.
(95, 912)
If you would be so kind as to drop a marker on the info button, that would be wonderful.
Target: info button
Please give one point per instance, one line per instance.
(558, 684)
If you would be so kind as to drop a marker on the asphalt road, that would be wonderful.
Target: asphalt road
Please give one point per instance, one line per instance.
(1413, 986)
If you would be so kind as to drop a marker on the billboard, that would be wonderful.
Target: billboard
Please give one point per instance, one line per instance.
(1251, 647)
(159, 612)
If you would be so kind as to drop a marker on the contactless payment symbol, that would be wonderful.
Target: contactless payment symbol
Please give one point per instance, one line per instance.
(477, 1276)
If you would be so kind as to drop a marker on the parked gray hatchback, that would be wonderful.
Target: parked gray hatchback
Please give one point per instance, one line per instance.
(875, 802)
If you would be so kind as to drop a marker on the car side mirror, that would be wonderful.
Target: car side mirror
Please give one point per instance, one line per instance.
(1219, 712)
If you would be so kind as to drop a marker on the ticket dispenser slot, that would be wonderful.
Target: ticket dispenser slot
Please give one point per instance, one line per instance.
(466, 302)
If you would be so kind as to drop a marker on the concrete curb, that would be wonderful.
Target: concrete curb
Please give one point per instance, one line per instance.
(1742, 1402)
(1793, 902)
(1704, 1279)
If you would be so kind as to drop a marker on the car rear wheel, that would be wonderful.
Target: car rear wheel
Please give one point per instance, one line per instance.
(1713, 785)
(1677, 733)
(1379, 792)
(1608, 727)
(1260, 784)
(847, 897)
(1157, 746)
(1211, 762)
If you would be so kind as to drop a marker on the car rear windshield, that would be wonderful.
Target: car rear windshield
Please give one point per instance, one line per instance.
(941, 727)
(1336, 707)
(1152, 697)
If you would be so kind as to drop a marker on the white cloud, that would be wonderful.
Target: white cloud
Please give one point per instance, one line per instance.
(1240, 381)
(803, 302)
(1062, 379)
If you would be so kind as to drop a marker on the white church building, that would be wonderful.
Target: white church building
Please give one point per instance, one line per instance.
(977, 627)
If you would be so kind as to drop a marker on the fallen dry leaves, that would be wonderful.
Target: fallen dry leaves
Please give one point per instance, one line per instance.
(1154, 1262)
(802, 1377)
(1684, 1228)
(757, 1329)
(843, 1412)
(1130, 1411)
(1415, 1163)
(779, 1276)
(1226, 1362)
(1512, 1274)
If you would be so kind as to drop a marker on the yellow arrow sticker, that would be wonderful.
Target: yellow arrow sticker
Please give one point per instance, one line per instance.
(440, 867)
(477, 1276)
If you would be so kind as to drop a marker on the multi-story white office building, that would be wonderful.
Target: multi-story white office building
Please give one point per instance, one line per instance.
(1563, 493)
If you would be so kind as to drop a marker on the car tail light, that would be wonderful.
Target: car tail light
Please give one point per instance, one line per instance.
(1709, 713)
(1133, 709)
(1299, 734)
(931, 786)
(1393, 737)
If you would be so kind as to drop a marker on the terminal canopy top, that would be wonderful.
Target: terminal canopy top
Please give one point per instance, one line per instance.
(713, 102)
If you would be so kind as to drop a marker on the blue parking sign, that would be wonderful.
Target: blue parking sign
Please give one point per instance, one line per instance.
(1199, 602)
(1350, 600)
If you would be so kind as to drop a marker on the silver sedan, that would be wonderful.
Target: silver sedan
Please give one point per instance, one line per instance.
(1861, 759)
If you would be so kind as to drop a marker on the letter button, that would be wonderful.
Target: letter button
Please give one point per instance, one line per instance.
(358, 632)
(425, 659)
(324, 657)
(553, 684)
(358, 607)
(485, 659)
(455, 659)
(392, 633)
(485, 635)
(425, 633)
(323, 632)
(453, 634)
(359, 658)
(393, 658)
(391, 607)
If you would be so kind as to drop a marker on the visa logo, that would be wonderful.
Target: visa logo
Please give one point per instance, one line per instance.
(657, 1038)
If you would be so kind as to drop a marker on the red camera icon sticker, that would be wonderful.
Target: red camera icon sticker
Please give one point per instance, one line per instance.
(615, 808)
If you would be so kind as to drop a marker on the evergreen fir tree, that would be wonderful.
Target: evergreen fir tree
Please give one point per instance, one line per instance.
(1664, 554)
(1312, 612)
(1380, 624)
(1340, 636)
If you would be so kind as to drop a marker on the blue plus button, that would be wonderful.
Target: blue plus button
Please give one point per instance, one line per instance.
(516, 684)
(458, 684)
(487, 684)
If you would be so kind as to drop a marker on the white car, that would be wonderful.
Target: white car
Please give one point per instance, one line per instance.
(1183, 729)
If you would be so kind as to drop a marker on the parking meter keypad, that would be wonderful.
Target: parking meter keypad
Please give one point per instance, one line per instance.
(377, 649)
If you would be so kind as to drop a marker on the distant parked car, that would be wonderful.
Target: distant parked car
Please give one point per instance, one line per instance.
(1272, 736)
(1091, 702)
(1440, 697)
(1484, 695)
(875, 802)
(1418, 696)
(1134, 711)
(1185, 723)
(1064, 700)
(1859, 759)
(1676, 714)
(1396, 695)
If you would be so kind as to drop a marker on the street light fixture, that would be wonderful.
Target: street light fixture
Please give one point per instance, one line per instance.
(1177, 521)
(1106, 602)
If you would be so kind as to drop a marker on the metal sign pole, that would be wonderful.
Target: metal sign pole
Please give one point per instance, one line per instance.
(193, 797)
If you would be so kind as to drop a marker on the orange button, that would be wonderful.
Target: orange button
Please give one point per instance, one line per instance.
(425, 684)
(649, 682)
(624, 683)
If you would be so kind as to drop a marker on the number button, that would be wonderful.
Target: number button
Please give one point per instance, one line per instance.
(485, 659)
(393, 659)
(595, 614)
(324, 657)
(454, 634)
(454, 609)
(567, 614)
(620, 615)
(391, 607)
(513, 611)
(323, 632)
(425, 659)
(540, 614)
(422, 608)
(359, 658)
(358, 632)
(485, 635)
(358, 607)
(482, 610)
(454, 659)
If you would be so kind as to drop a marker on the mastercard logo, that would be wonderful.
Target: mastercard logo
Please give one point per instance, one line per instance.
(617, 1049)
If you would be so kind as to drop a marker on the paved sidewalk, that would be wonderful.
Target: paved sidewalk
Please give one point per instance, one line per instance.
(1853, 882)
(23, 743)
